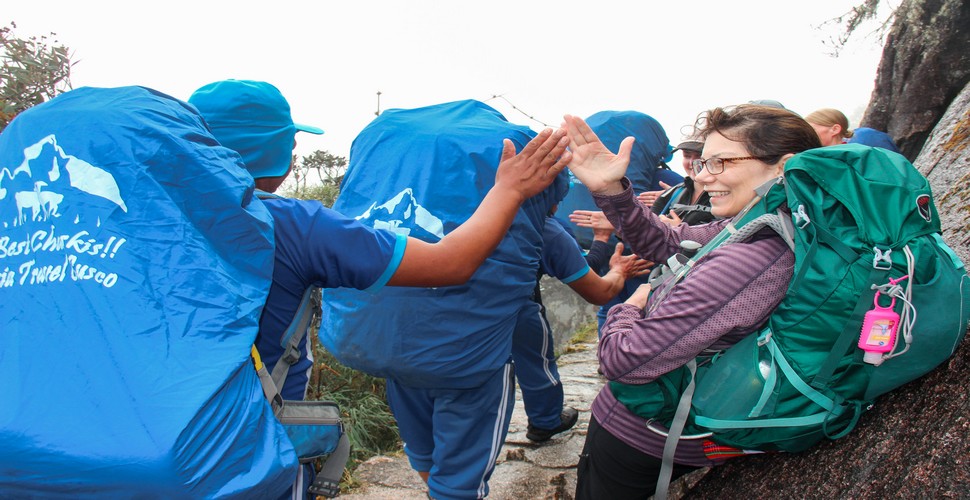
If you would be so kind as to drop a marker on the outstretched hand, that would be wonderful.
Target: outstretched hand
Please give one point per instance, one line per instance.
(536, 166)
(649, 197)
(629, 266)
(673, 220)
(593, 163)
(519, 177)
(594, 220)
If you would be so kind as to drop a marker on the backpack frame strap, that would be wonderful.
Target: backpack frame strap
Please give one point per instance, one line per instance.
(327, 482)
(270, 390)
(293, 338)
(674, 433)
(673, 198)
(850, 332)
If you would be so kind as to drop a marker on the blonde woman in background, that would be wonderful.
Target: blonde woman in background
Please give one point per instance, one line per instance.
(831, 126)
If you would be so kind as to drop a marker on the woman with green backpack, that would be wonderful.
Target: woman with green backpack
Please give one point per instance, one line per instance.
(729, 293)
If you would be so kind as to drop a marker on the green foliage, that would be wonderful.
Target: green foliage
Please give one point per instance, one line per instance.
(326, 194)
(316, 177)
(329, 167)
(586, 333)
(32, 70)
(368, 421)
(371, 426)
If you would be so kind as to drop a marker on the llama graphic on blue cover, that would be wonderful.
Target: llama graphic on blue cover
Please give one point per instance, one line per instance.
(38, 186)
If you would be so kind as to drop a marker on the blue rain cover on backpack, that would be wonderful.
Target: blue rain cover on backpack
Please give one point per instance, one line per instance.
(874, 138)
(423, 172)
(134, 264)
(651, 147)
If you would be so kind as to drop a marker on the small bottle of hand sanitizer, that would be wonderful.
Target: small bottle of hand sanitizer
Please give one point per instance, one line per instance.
(879, 330)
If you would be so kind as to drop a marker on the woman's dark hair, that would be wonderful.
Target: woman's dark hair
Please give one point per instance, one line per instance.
(767, 132)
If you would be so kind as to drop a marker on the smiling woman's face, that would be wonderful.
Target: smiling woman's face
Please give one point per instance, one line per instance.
(732, 189)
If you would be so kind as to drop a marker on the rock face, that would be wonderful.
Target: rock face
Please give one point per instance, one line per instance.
(924, 65)
(945, 161)
(915, 443)
(565, 310)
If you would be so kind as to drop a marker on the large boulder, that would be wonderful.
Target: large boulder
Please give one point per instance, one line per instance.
(915, 442)
(945, 161)
(566, 311)
(924, 65)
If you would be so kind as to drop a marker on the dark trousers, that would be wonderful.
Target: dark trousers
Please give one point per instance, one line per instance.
(611, 469)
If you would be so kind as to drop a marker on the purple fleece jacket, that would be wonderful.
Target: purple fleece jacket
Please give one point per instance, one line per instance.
(729, 293)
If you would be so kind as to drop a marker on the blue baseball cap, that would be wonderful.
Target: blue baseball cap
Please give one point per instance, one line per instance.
(252, 118)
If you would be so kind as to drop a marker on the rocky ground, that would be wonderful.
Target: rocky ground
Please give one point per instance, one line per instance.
(524, 470)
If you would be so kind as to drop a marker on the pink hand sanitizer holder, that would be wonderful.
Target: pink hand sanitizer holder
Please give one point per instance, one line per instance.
(879, 330)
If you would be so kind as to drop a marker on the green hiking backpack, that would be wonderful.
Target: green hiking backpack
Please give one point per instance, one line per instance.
(860, 217)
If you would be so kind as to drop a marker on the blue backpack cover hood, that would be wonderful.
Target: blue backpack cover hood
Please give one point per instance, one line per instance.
(134, 263)
(423, 172)
(874, 138)
(650, 149)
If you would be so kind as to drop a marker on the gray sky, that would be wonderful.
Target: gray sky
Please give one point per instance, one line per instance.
(668, 59)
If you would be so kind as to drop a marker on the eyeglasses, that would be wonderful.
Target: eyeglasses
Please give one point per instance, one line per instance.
(716, 165)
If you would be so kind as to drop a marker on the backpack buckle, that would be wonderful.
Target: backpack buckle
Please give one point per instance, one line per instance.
(325, 488)
(882, 260)
(800, 218)
(764, 338)
(291, 355)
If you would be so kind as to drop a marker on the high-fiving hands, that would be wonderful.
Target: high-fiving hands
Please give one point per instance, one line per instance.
(536, 166)
(593, 163)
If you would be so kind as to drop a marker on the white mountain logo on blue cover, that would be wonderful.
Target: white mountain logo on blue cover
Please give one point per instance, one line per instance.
(402, 213)
(38, 188)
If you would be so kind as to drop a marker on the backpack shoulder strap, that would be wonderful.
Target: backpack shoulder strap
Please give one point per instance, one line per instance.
(779, 221)
(270, 389)
(293, 337)
(751, 220)
(327, 482)
(674, 197)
